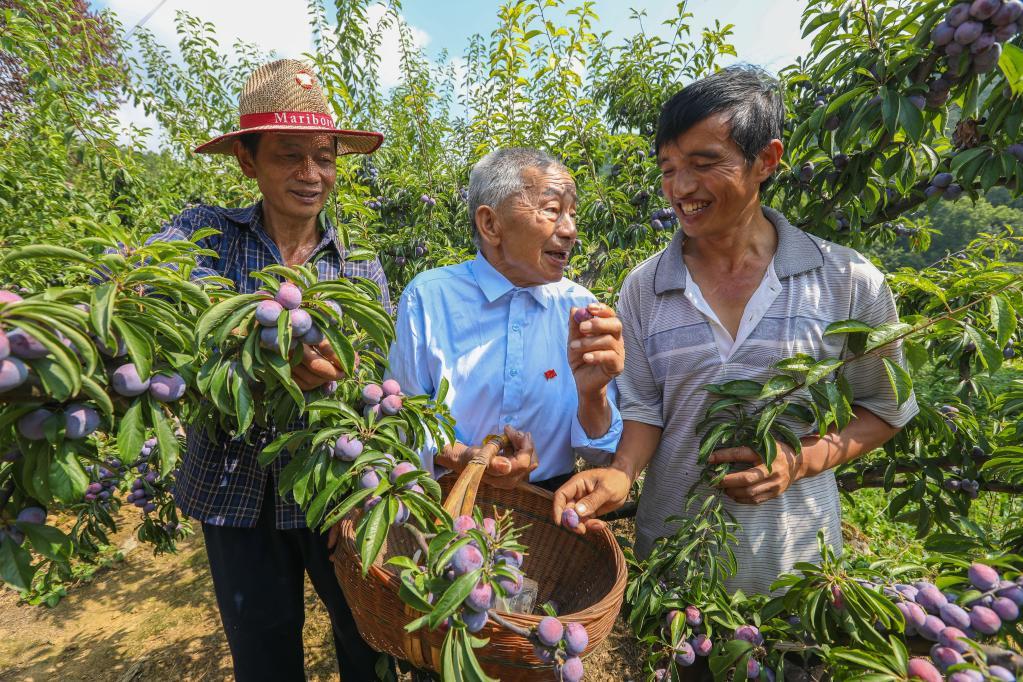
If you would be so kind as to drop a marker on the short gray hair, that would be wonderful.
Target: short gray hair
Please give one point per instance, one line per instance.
(498, 175)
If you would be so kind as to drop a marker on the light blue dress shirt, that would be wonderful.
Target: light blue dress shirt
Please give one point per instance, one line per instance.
(503, 350)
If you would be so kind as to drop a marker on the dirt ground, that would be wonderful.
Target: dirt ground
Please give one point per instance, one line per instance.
(155, 618)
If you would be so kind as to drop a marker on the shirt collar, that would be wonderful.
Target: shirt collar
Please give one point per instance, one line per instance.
(494, 285)
(251, 217)
(797, 253)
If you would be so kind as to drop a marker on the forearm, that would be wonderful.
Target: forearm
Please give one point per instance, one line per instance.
(863, 434)
(595, 413)
(637, 447)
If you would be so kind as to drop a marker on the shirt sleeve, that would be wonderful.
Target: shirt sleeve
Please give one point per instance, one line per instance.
(407, 364)
(874, 304)
(181, 228)
(640, 396)
(601, 449)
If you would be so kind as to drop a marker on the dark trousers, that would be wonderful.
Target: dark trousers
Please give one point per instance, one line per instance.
(258, 576)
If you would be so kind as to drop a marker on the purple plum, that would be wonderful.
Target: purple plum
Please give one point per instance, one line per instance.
(401, 469)
(391, 405)
(402, 515)
(30, 426)
(942, 34)
(968, 31)
(126, 381)
(576, 638)
(369, 479)
(489, 525)
(80, 420)
(267, 313)
(702, 645)
(481, 597)
(570, 518)
(550, 631)
(684, 654)
(301, 322)
(931, 598)
(1012, 592)
(391, 387)
(985, 620)
(36, 515)
(922, 669)
(1008, 13)
(372, 394)
(954, 615)
(984, 9)
(348, 448)
(1005, 608)
(25, 346)
(571, 670)
(914, 614)
(581, 315)
(289, 296)
(543, 653)
(509, 557)
(952, 638)
(983, 577)
(693, 616)
(315, 337)
(167, 388)
(463, 524)
(931, 628)
(749, 633)
(9, 296)
(752, 669)
(1000, 673)
(945, 657)
(13, 372)
(511, 586)
(466, 560)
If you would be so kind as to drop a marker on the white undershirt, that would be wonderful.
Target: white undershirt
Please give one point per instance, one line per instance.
(755, 310)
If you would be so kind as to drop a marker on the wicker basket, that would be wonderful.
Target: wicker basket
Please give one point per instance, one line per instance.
(585, 574)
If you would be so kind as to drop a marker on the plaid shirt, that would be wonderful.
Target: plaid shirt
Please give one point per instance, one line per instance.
(219, 481)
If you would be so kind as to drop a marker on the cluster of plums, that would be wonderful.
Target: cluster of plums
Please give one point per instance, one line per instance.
(942, 185)
(699, 644)
(269, 310)
(103, 489)
(561, 644)
(345, 448)
(971, 36)
(938, 617)
(382, 400)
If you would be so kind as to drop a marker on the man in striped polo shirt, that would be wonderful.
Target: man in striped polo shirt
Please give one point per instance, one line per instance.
(738, 289)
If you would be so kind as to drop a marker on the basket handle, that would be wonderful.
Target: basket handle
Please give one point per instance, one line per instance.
(463, 494)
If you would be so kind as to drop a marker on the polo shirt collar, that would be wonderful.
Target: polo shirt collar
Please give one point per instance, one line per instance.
(797, 253)
(251, 217)
(494, 285)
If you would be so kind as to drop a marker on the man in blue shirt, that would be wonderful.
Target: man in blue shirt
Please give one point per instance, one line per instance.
(501, 329)
(258, 545)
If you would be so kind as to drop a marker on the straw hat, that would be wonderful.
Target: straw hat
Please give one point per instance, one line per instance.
(285, 96)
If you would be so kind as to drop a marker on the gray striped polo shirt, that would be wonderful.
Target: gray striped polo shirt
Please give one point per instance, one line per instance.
(670, 353)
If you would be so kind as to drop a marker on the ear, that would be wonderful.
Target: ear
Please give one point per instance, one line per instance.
(245, 160)
(768, 160)
(488, 225)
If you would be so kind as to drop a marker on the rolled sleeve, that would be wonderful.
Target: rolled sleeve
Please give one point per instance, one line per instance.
(867, 376)
(640, 397)
(601, 449)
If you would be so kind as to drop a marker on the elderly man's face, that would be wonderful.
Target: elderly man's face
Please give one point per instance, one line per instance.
(295, 172)
(705, 177)
(530, 236)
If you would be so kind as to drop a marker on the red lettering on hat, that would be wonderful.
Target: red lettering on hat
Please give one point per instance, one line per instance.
(305, 79)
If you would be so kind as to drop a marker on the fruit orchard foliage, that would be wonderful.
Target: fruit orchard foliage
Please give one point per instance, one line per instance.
(884, 127)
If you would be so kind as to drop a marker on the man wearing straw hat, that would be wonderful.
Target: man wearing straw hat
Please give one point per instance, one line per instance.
(258, 544)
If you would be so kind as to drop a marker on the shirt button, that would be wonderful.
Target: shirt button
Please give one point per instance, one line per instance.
(514, 372)
(515, 327)
(507, 420)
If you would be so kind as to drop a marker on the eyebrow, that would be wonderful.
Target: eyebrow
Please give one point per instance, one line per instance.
(700, 153)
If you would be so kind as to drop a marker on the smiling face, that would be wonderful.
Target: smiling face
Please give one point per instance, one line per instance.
(295, 172)
(529, 236)
(707, 180)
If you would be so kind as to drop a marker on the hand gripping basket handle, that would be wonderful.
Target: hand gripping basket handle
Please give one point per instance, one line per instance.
(463, 494)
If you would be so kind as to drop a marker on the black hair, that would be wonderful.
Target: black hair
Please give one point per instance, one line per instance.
(251, 143)
(749, 94)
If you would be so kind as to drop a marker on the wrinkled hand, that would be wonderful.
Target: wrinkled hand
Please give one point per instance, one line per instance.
(506, 470)
(596, 352)
(756, 484)
(319, 366)
(591, 493)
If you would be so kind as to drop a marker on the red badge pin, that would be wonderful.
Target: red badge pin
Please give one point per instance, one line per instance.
(550, 374)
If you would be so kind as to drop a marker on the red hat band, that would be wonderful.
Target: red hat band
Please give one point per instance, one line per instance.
(306, 119)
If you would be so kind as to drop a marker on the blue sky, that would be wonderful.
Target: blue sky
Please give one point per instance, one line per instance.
(766, 32)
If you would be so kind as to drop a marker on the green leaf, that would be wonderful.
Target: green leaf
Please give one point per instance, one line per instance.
(846, 327)
(51, 542)
(131, 432)
(101, 310)
(215, 316)
(66, 476)
(164, 437)
(912, 119)
(901, 381)
(990, 354)
(453, 597)
(1011, 64)
(371, 535)
(15, 565)
(776, 385)
(140, 347)
(1003, 319)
